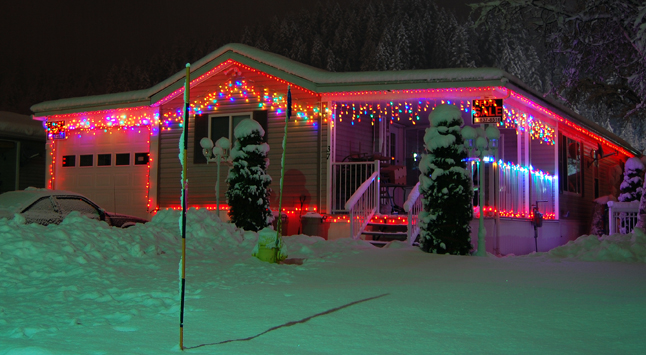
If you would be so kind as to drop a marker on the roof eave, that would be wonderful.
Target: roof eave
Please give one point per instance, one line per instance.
(518, 86)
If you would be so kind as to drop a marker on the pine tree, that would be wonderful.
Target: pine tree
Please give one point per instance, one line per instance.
(248, 193)
(631, 187)
(445, 186)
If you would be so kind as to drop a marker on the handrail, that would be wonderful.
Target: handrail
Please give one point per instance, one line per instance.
(360, 191)
(413, 206)
(412, 197)
(363, 204)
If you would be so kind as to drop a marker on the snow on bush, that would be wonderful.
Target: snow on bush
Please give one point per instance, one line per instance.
(445, 186)
(631, 187)
(248, 193)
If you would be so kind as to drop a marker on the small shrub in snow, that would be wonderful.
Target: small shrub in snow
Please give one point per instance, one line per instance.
(445, 186)
(248, 194)
(631, 187)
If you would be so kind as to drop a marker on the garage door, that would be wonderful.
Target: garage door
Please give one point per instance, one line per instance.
(110, 168)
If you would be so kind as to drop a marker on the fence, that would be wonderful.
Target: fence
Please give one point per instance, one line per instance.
(521, 187)
(346, 179)
(622, 216)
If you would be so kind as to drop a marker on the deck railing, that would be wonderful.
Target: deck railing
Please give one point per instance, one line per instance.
(520, 187)
(622, 216)
(413, 206)
(346, 179)
(363, 204)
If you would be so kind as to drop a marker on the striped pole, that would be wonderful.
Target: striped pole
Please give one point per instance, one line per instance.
(282, 168)
(184, 188)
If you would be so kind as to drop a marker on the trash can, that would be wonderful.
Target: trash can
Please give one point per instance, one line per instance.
(285, 222)
(315, 224)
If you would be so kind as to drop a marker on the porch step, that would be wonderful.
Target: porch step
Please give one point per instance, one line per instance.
(390, 234)
(382, 227)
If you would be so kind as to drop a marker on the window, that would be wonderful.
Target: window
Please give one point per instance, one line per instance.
(217, 126)
(595, 174)
(42, 212)
(142, 158)
(104, 159)
(69, 161)
(223, 126)
(393, 145)
(571, 169)
(69, 204)
(86, 160)
(122, 159)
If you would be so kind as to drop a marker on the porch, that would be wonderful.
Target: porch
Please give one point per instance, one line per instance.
(375, 149)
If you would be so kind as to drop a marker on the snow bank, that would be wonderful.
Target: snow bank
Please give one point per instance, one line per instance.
(617, 247)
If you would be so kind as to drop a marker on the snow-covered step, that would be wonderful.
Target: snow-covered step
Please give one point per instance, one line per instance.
(390, 234)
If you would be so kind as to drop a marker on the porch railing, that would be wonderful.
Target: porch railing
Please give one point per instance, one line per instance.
(346, 179)
(520, 187)
(413, 206)
(363, 204)
(622, 216)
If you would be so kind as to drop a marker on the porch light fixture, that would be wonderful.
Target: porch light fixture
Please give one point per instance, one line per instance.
(486, 145)
(217, 153)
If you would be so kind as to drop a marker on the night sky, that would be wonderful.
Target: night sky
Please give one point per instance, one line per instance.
(73, 35)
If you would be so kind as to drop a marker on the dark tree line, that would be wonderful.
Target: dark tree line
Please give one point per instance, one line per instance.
(363, 35)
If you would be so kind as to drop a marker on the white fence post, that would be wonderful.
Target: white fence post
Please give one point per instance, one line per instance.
(622, 216)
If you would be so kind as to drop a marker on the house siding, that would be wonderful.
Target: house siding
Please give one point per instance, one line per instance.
(302, 168)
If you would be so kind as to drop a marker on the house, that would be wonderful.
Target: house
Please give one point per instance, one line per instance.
(22, 152)
(121, 150)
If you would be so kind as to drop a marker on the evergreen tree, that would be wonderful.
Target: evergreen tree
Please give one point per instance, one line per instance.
(445, 186)
(248, 193)
(631, 187)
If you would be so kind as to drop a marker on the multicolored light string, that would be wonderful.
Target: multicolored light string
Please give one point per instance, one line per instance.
(523, 122)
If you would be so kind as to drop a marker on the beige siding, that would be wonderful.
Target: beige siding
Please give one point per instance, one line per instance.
(302, 170)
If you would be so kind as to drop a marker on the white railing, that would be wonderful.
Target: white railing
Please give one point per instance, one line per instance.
(515, 180)
(543, 188)
(363, 204)
(512, 200)
(346, 179)
(622, 216)
(413, 206)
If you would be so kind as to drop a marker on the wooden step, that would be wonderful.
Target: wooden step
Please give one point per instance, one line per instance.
(388, 225)
(390, 234)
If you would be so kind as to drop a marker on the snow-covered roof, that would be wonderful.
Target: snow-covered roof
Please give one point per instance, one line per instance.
(20, 126)
(314, 79)
(321, 81)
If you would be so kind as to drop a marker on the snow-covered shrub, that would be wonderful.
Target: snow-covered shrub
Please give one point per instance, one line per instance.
(248, 194)
(445, 186)
(631, 187)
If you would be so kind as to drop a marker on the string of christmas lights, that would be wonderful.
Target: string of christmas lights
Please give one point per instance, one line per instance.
(241, 91)
(527, 123)
(107, 120)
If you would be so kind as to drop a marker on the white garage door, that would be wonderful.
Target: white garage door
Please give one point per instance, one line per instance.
(110, 168)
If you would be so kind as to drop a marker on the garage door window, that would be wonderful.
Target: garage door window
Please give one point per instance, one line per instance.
(86, 160)
(69, 161)
(122, 159)
(104, 160)
(141, 158)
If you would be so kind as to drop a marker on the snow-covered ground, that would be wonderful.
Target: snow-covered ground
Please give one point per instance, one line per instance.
(85, 288)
